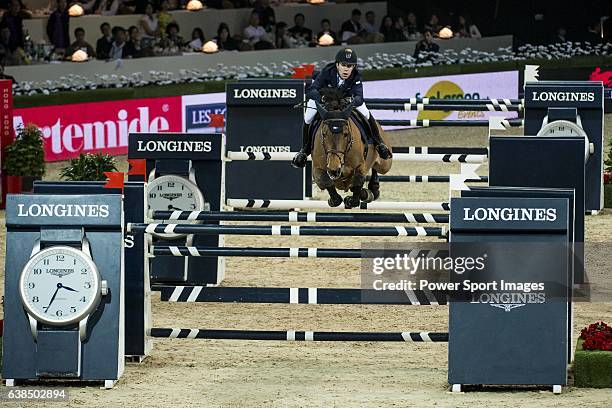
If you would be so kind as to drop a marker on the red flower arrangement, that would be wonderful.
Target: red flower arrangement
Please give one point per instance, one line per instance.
(607, 176)
(598, 336)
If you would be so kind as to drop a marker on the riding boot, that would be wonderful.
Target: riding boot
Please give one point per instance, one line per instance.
(381, 147)
(300, 159)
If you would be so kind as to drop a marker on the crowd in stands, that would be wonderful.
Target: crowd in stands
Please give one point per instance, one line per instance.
(157, 33)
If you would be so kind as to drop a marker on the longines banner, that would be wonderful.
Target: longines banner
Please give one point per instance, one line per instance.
(595, 73)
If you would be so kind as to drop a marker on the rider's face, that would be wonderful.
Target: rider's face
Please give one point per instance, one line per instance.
(344, 70)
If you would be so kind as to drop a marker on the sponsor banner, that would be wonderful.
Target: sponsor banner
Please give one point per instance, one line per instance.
(601, 73)
(197, 110)
(70, 130)
(281, 92)
(6, 132)
(468, 86)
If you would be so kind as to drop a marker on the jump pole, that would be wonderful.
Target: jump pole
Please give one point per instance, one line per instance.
(315, 204)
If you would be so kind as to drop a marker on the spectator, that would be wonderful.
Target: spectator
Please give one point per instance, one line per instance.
(560, 35)
(256, 35)
(164, 17)
(352, 27)
(104, 43)
(326, 29)
(466, 29)
(13, 55)
(197, 39)
(224, 40)
(388, 29)
(108, 7)
(121, 49)
(266, 14)
(57, 26)
(433, 24)
(593, 34)
(13, 19)
(149, 23)
(136, 41)
(172, 35)
(2, 65)
(80, 44)
(282, 39)
(368, 25)
(411, 30)
(301, 34)
(426, 44)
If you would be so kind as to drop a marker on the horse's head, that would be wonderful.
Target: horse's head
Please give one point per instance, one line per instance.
(336, 137)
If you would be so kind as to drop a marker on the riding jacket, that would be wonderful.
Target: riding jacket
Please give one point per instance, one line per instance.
(328, 77)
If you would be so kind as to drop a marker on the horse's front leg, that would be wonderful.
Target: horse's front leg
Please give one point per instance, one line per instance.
(324, 182)
(357, 182)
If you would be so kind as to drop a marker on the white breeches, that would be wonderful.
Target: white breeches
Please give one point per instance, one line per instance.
(311, 111)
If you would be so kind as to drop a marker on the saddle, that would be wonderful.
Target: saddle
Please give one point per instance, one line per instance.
(358, 119)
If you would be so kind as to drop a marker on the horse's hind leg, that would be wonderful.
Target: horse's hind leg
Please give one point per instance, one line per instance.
(374, 185)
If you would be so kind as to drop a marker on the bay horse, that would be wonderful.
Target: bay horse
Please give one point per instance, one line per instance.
(340, 158)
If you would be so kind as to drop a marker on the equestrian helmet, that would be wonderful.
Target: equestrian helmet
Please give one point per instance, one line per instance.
(347, 56)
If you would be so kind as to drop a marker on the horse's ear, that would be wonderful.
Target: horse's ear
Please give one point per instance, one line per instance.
(322, 111)
(346, 112)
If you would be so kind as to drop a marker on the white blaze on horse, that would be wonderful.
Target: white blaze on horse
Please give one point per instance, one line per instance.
(340, 158)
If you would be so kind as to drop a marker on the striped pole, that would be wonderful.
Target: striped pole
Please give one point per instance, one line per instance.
(429, 123)
(171, 250)
(376, 205)
(402, 157)
(291, 335)
(441, 150)
(294, 230)
(313, 296)
(407, 107)
(294, 216)
(435, 101)
(426, 179)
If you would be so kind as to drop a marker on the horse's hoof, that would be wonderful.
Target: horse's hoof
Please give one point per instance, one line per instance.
(366, 196)
(334, 202)
(376, 194)
(351, 202)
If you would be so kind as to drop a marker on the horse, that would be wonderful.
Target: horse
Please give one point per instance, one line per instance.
(340, 159)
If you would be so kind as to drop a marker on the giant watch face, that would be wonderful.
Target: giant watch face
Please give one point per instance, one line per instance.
(60, 285)
(174, 193)
(561, 128)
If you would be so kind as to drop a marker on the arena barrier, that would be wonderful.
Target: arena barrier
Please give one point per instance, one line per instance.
(410, 337)
(295, 216)
(375, 205)
(466, 103)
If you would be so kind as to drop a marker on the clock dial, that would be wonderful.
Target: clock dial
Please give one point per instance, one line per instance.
(60, 285)
(174, 193)
(560, 128)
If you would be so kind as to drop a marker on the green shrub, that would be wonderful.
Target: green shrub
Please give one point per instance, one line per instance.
(89, 167)
(26, 155)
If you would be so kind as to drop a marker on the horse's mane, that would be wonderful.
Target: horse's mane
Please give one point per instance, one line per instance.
(334, 99)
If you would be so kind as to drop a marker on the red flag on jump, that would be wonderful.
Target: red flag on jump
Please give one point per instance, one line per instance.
(308, 69)
(217, 120)
(298, 72)
(115, 179)
(138, 167)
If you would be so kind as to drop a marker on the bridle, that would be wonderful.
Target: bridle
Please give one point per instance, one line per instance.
(336, 126)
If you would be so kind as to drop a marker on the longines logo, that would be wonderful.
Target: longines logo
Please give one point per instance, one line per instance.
(170, 196)
(174, 146)
(510, 214)
(264, 93)
(563, 96)
(265, 149)
(63, 210)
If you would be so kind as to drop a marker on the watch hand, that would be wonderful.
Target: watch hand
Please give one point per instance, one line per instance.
(171, 207)
(69, 288)
(59, 286)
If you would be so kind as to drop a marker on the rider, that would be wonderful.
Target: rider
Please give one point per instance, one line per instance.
(342, 74)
